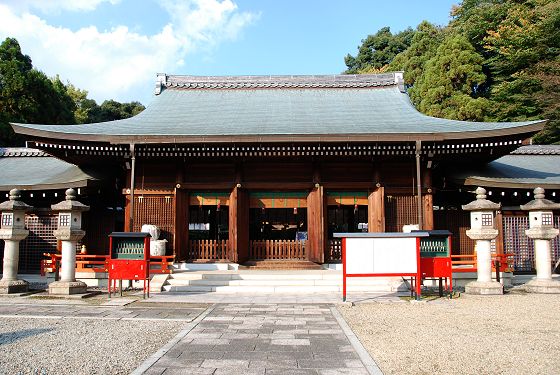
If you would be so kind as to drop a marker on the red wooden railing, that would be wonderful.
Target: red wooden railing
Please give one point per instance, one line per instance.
(277, 249)
(467, 262)
(98, 263)
(209, 250)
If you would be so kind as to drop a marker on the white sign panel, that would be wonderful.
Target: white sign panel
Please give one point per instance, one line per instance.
(381, 255)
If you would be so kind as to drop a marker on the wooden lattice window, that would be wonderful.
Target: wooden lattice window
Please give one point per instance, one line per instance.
(547, 219)
(7, 219)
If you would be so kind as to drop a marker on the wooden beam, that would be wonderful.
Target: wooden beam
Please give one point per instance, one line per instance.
(239, 225)
(376, 210)
(316, 225)
(500, 228)
(181, 235)
(428, 216)
(427, 200)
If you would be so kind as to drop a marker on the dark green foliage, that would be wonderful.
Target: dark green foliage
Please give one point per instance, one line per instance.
(378, 50)
(447, 86)
(422, 48)
(29, 96)
(112, 110)
(497, 60)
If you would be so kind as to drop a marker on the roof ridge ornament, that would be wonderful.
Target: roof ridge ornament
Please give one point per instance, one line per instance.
(161, 82)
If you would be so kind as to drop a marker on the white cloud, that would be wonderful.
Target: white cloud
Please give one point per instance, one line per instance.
(117, 63)
(49, 6)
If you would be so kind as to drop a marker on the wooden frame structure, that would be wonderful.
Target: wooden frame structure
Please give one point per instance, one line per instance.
(302, 138)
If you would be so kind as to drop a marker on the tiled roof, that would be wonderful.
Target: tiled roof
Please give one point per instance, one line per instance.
(272, 108)
(31, 169)
(538, 150)
(21, 151)
(527, 167)
(260, 82)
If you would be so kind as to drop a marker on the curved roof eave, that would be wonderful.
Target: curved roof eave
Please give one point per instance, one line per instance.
(528, 128)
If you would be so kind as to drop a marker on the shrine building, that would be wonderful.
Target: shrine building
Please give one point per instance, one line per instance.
(259, 168)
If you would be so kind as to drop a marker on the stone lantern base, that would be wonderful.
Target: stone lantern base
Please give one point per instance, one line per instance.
(13, 286)
(544, 286)
(484, 288)
(67, 287)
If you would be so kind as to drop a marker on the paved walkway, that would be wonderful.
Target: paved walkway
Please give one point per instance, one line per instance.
(287, 339)
(187, 312)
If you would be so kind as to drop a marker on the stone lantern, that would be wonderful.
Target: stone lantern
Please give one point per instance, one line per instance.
(483, 232)
(12, 231)
(541, 230)
(69, 232)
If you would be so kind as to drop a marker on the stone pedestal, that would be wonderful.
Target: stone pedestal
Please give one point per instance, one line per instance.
(542, 231)
(10, 282)
(69, 232)
(67, 284)
(483, 231)
(484, 284)
(12, 231)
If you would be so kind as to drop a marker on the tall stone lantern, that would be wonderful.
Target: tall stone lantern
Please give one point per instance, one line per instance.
(69, 232)
(541, 230)
(483, 232)
(12, 231)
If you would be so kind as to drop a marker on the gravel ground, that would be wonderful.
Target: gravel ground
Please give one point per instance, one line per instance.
(79, 346)
(510, 334)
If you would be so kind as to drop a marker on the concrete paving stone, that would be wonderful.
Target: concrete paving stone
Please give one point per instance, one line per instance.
(274, 363)
(290, 342)
(290, 322)
(235, 335)
(250, 371)
(187, 354)
(353, 363)
(190, 371)
(248, 355)
(226, 363)
(322, 363)
(170, 362)
(285, 371)
(205, 335)
(282, 348)
(277, 335)
(290, 355)
(214, 342)
(335, 355)
(154, 371)
(343, 371)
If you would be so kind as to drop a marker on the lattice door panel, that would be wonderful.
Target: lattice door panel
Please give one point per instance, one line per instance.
(158, 211)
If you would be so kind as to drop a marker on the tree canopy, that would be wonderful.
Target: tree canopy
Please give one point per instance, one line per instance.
(29, 96)
(497, 60)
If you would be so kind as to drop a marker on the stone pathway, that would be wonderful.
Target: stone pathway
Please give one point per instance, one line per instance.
(130, 312)
(287, 339)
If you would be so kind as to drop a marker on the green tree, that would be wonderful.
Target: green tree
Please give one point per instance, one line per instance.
(378, 50)
(423, 47)
(448, 86)
(111, 110)
(520, 41)
(28, 95)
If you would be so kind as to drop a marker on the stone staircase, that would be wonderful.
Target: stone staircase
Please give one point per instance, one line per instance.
(271, 281)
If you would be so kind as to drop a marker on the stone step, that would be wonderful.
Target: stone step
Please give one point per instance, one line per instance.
(281, 265)
(280, 281)
(281, 289)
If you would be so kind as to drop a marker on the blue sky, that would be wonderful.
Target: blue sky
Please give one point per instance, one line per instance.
(114, 48)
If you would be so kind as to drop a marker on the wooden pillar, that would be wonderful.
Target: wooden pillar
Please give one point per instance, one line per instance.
(500, 228)
(181, 235)
(239, 225)
(376, 210)
(316, 225)
(427, 201)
